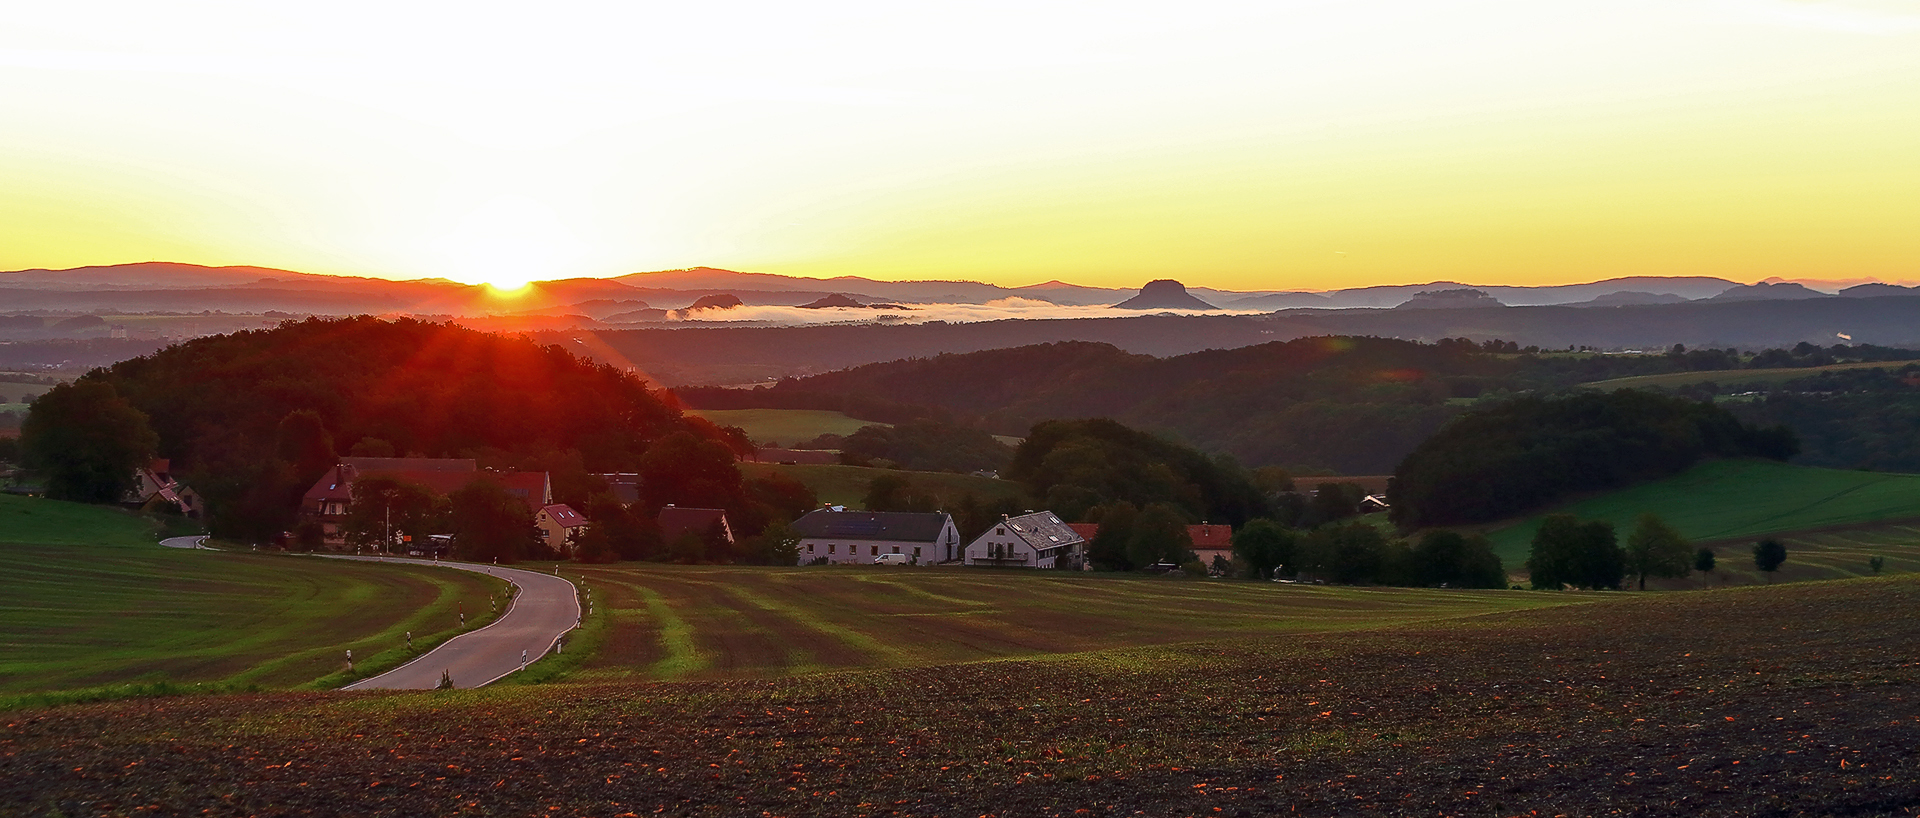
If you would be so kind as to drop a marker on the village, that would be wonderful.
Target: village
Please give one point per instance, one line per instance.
(829, 535)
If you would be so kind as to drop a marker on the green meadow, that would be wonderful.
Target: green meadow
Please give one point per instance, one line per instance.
(92, 600)
(847, 485)
(1736, 377)
(1730, 500)
(785, 426)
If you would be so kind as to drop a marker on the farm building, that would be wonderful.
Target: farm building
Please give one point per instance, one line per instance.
(676, 521)
(1210, 541)
(1037, 540)
(862, 536)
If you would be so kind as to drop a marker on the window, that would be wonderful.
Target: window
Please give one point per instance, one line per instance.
(830, 547)
(916, 552)
(896, 549)
(1000, 532)
(876, 551)
(809, 548)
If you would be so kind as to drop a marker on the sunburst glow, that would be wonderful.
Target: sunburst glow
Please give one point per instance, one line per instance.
(1296, 143)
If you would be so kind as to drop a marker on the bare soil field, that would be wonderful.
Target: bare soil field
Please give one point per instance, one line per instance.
(1801, 699)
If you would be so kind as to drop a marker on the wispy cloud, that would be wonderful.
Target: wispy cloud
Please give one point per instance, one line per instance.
(922, 313)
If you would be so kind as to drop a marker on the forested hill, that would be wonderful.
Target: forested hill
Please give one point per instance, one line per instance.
(254, 417)
(1354, 405)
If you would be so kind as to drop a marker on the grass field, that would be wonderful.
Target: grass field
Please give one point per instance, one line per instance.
(1731, 499)
(847, 485)
(1735, 377)
(92, 600)
(681, 622)
(1793, 700)
(785, 426)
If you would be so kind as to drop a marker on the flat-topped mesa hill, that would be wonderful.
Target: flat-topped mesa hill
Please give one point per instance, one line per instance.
(1449, 300)
(1164, 294)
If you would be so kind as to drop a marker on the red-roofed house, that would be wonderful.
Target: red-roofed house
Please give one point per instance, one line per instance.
(558, 524)
(1210, 541)
(330, 496)
(156, 485)
(1087, 531)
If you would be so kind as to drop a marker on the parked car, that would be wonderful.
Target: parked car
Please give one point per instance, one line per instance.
(890, 559)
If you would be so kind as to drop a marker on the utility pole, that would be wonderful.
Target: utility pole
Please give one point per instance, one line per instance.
(387, 546)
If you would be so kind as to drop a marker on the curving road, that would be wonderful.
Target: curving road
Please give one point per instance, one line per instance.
(545, 609)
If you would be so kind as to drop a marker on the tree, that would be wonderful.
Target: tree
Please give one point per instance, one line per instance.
(1768, 554)
(1108, 551)
(1159, 535)
(1876, 563)
(685, 470)
(1703, 560)
(1448, 558)
(1656, 549)
(385, 509)
(893, 492)
(778, 544)
(1568, 552)
(88, 441)
(1262, 547)
(1348, 553)
(491, 524)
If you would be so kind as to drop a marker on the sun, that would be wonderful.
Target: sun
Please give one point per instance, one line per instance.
(507, 243)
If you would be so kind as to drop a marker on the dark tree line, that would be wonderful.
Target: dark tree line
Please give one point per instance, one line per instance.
(251, 419)
(1526, 452)
(1354, 405)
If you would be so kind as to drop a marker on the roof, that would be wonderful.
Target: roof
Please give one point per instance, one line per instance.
(677, 520)
(1087, 531)
(902, 526)
(564, 515)
(1043, 529)
(1210, 536)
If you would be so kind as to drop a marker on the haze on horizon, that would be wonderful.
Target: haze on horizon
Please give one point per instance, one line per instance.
(1287, 145)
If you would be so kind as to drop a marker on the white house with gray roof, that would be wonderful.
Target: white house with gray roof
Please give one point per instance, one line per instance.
(1036, 540)
(860, 537)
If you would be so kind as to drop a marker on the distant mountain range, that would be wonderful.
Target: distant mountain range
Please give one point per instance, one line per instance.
(173, 287)
(747, 320)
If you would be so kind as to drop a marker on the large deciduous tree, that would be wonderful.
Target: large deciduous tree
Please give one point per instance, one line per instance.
(1568, 552)
(88, 441)
(490, 524)
(1768, 555)
(1655, 549)
(1263, 546)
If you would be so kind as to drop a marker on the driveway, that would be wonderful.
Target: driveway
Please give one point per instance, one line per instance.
(544, 610)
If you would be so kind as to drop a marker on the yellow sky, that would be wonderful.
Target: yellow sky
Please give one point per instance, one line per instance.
(1273, 145)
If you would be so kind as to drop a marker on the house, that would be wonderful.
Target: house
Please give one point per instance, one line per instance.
(558, 524)
(1034, 540)
(329, 499)
(861, 536)
(1210, 541)
(624, 485)
(1372, 503)
(676, 521)
(155, 485)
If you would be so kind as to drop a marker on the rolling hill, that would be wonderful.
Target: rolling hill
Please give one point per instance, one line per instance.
(1733, 500)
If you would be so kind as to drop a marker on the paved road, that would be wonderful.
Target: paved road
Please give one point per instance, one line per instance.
(186, 542)
(546, 608)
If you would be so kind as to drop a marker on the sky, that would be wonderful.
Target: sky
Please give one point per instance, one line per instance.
(1277, 145)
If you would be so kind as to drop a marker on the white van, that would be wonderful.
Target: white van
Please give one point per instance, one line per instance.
(890, 559)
